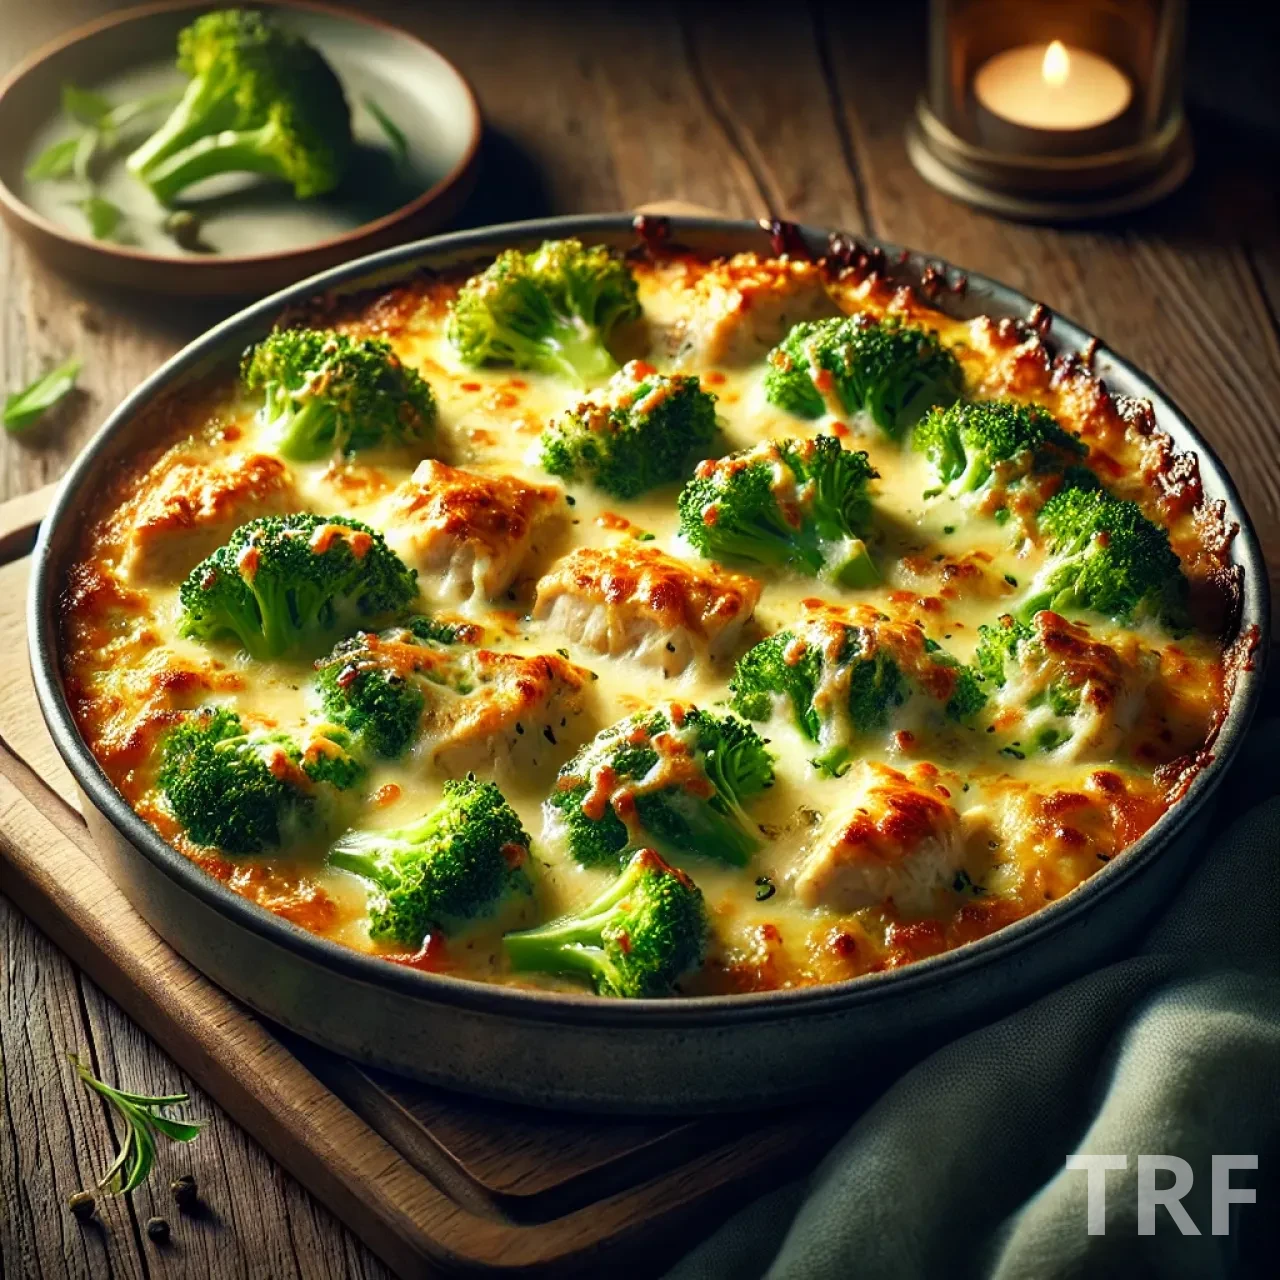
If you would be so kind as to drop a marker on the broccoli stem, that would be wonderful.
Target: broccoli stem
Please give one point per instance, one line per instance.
(581, 354)
(192, 118)
(573, 943)
(857, 569)
(305, 433)
(227, 152)
(360, 864)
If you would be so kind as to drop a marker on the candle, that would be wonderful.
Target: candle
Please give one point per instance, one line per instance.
(1050, 98)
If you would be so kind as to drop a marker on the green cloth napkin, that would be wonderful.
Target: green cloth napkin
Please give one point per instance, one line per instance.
(958, 1170)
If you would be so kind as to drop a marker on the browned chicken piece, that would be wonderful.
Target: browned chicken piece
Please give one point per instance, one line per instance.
(518, 715)
(189, 504)
(468, 534)
(636, 602)
(898, 837)
(733, 312)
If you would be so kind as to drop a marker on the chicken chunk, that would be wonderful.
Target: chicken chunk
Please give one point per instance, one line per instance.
(735, 310)
(469, 535)
(510, 712)
(189, 503)
(898, 838)
(640, 603)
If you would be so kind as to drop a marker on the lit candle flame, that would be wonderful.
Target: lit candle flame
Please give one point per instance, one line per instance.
(1057, 63)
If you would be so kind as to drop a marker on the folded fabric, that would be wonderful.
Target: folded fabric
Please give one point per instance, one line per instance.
(960, 1168)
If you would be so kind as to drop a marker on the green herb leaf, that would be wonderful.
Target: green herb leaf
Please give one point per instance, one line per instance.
(84, 106)
(56, 161)
(395, 135)
(22, 408)
(104, 217)
(86, 145)
(140, 1112)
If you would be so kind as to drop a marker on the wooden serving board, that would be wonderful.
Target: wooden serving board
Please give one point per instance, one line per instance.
(433, 1182)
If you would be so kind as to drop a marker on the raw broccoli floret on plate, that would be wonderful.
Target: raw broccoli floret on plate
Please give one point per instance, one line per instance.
(259, 100)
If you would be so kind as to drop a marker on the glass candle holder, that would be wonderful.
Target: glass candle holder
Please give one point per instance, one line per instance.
(1053, 109)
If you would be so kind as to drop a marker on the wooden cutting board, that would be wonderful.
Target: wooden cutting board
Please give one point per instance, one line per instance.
(433, 1182)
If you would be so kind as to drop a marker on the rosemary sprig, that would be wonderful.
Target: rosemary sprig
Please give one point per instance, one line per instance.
(141, 1114)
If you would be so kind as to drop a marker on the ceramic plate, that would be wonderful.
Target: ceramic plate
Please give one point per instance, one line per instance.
(257, 237)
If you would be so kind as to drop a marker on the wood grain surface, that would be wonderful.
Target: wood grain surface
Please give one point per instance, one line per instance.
(597, 107)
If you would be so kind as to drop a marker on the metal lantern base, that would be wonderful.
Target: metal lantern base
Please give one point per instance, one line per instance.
(1050, 188)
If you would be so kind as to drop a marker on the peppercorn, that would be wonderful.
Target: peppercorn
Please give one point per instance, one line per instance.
(82, 1205)
(185, 1192)
(158, 1230)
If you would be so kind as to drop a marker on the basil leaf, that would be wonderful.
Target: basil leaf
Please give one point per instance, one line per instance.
(104, 217)
(84, 106)
(395, 135)
(56, 161)
(22, 408)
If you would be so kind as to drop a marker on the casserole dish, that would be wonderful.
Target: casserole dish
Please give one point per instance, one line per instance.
(640, 1055)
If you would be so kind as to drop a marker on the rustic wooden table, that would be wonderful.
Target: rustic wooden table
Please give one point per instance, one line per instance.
(595, 109)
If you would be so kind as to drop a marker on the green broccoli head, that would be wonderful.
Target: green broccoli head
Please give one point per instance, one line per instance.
(1105, 555)
(461, 862)
(965, 442)
(1012, 650)
(327, 393)
(552, 310)
(890, 370)
(839, 681)
(259, 100)
(283, 583)
(642, 430)
(673, 777)
(637, 940)
(247, 792)
(802, 503)
(363, 688)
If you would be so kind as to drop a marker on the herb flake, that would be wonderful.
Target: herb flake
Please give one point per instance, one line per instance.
(22, 408)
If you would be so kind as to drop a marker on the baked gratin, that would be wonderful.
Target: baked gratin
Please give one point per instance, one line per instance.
(652, 625)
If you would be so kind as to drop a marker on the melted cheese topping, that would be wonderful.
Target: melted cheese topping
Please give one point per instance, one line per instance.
(589, 609)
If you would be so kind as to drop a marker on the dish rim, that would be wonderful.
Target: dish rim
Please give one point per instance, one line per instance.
(213, 263)
(837, 998)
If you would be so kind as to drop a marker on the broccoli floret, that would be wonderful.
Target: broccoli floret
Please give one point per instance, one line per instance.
(1010, 646)
(801, 503)
(379, 705)
(640, 431)
(462, 861)
(281, 583)
(552, 310)
(259, 101)
(966, 441)
(247, 792)
(637, 940)
(1105, 555)
(890, 370)
(672, 777)
(878, 669)
(326, 393)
